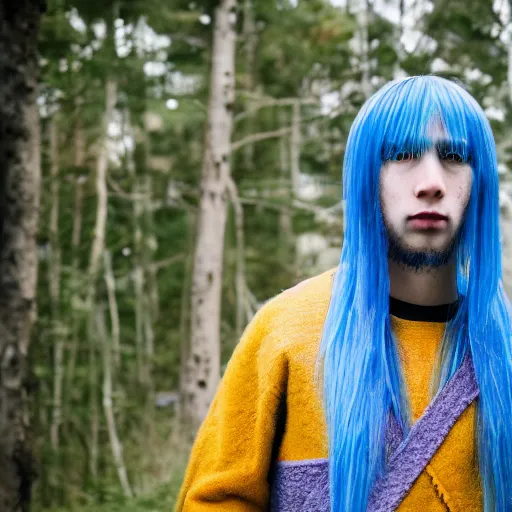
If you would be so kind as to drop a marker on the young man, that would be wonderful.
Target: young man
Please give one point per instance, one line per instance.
(385, 384)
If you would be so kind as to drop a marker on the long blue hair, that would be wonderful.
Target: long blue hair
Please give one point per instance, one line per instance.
(362, 379)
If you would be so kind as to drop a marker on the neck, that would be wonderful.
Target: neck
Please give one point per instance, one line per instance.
(428, 287)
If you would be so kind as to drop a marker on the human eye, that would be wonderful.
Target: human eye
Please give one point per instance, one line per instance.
(453, 153)
(402, 152)
(453, 158)
(405, 156)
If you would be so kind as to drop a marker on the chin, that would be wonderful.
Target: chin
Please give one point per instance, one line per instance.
(429, 249)
(433, 243)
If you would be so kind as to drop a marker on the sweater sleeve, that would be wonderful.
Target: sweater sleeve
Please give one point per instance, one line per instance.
(231, 456)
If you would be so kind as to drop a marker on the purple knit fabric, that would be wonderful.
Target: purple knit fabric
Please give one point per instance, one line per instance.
(301, 486)
(424, 438)
(394, 436)
(304, 485)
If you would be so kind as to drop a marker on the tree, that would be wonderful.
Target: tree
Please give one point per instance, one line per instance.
(19, 212)
(300, 67)
(203, 369)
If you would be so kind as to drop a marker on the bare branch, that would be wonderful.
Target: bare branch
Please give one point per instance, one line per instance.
(159, 265)
(240, 255)
(296, 204)
(256, 137)
(115, 443)
(271, 102)
(112, 302)
(54, 279)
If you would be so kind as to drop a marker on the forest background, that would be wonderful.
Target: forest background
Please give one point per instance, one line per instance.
(190, 157)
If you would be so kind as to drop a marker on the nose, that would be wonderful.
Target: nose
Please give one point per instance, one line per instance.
(430, 177)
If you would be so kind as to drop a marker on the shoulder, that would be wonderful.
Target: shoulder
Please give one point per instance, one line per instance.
(298, 313)
(291, 315)
(312, 294)
(286, 329)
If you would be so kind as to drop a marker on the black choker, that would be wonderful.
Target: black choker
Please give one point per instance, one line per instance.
(408, 311)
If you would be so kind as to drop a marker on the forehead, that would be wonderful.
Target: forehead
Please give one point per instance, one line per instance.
(421, 133)
(421, 114)
(436, 130)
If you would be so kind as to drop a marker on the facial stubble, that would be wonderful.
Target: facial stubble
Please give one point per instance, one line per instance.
(419, 260)
(414, 259)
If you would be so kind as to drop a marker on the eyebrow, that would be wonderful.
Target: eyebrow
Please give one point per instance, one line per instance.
(418, 146)
(453, 146)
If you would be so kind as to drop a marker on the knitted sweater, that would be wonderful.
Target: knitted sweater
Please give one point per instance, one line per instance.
(232, 465)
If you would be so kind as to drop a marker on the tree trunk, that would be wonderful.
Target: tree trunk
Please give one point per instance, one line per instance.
(295, 149)
(151, 241)
(98, 246)
(362, 28)
(112, 306)
(101, 190)
(509, 41)
(138, 281)
(285, 239)
(399, 47)
(19, 214)
(185, 307)
(76, 276)
(249, 38)
(240, 258)
(145, 244)
(203, 368)
(54, 278)
(115, 443)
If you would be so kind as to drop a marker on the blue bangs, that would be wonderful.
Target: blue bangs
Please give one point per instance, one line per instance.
(405, 117)
(447, 148)
(362, 378)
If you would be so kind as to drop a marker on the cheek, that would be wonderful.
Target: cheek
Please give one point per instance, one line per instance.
(384, 197)
(465, 188)
(464, 192)
(387, 191)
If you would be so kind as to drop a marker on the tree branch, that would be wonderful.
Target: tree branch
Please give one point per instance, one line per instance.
(272, 102)
(256, 137)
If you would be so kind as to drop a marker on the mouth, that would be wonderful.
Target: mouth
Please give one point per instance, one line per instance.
(428, 221)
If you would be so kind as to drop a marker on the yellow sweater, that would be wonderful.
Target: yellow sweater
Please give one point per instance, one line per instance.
(230, 461)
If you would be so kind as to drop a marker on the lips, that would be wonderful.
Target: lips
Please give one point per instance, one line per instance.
(428, 216)
(428, 221)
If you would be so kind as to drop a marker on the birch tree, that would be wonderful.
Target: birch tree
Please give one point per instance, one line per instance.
(76, 238)
(97, 249)
(19, 212)
(295, 144)
(108, 407)
(54, 281)
(509, 49)
(506, 192)
(362, 29)
(250, 42)
(203, 368)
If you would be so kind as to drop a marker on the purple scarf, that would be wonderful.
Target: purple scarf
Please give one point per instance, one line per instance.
(304, 485)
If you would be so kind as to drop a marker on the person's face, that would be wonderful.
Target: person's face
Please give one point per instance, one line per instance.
(423, 202)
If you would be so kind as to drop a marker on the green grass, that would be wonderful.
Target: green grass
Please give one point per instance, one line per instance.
(161, 499)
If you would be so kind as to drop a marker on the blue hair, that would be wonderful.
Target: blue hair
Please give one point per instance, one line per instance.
(362, 379)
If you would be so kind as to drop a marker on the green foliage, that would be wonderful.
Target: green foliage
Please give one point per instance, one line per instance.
(303, 51)
(161, 499)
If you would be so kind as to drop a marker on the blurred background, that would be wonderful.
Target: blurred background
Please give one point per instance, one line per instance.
(191, 159)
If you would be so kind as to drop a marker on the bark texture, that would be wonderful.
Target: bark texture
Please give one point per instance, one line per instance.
(54, 278)
(98, 246)
(295, 149)
(250, 43)
(240, 258)
(19, 212)
(509, 50)
(362, 17)
(203, 367)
